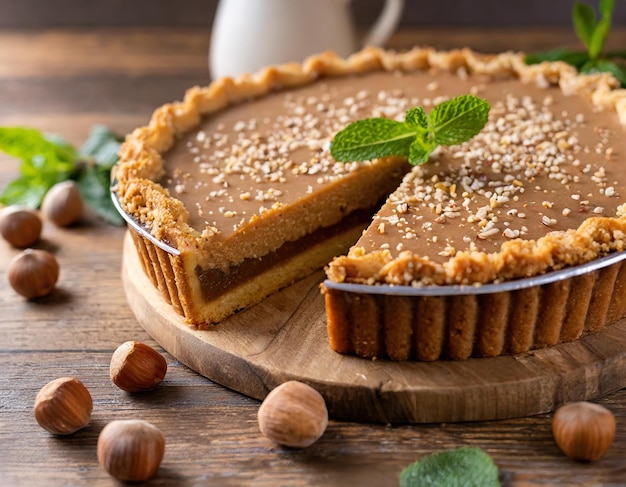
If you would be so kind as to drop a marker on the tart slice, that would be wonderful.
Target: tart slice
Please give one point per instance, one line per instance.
(539, 189)
(233, 189)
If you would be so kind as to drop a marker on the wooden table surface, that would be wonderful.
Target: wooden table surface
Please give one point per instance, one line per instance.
(65, 81)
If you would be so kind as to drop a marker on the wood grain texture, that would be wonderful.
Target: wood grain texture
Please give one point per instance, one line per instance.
(211, 432)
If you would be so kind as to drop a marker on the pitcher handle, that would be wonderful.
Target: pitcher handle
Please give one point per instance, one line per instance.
(386, 23)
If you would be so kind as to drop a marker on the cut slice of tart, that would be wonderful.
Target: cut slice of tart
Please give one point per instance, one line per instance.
(540, 188)
(236, 184)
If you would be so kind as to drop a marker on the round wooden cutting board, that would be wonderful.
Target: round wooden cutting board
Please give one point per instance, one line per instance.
(284, 338)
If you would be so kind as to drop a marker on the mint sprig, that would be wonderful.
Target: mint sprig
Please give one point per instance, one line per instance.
(460, 467)
(48, 159)
(593, 33)
(451, 122)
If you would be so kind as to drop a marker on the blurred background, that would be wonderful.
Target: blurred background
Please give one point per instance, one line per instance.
(68, 64)
(197, 13)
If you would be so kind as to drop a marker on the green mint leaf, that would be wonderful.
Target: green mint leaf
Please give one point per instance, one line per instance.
(575, 58)
(461, 467)
(606, 8)
(584, 20)
(419, 152)
(451, 122)
(24, 192)
(372, 138)
(30, 144)
(620, 54)
(46, 160)
(49, 159)
(416, 118)
(615, 69)
(606, 66)
(459, 119)
(598, 38)
(102, 146)
(592, 34)
(66, 151)
(94, 185)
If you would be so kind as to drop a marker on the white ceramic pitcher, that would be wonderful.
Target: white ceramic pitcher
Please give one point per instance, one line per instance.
(250, 34)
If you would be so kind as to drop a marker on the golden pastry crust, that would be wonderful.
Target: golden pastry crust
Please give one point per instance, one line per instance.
(516, 259)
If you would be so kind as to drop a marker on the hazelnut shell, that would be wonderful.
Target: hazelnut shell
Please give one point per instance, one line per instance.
(63, 203)
(63, 406)
(583, 430)
(131, 450)
(33, 273)
(19, 226)
(137, 367)
(293, 414)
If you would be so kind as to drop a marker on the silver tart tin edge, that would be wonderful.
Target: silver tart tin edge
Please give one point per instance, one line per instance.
(450, 290)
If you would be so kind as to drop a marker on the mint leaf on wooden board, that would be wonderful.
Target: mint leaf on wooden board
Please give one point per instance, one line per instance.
(102, 145)
(99, 153)
(94, 187)
(451, 122)
(33, 147)
(24, 192)
(49, 159)
(461, 467)
(45, 162)
(598, 38)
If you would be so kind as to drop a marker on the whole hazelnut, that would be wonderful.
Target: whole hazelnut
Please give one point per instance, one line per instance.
(63, 406)
(131, 449)
(293, 414)
(63, 203)
(20, 226)
(583, 430)
(33, 273)
(137, 367)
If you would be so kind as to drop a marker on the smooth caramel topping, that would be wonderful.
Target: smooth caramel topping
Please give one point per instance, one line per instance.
(273, 151)
(544, 162)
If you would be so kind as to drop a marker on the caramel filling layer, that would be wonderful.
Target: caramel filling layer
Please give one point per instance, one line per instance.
(216, 282)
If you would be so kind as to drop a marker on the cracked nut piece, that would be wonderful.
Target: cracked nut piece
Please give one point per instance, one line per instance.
(131, 449)
(63, 406)
(19, 226)
(583, 430)
(293, 414)
(33, 273)
(137, 367)
(63, 203)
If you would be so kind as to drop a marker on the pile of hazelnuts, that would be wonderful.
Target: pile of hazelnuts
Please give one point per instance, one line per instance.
(33, 273)
(128, 449)
(293, 414)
